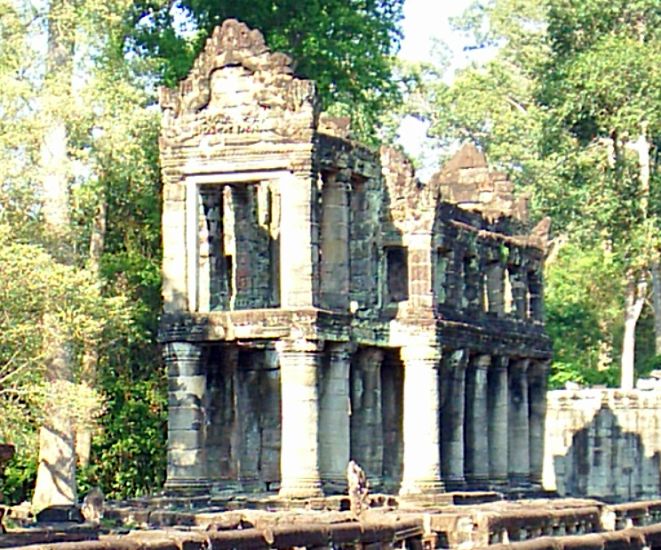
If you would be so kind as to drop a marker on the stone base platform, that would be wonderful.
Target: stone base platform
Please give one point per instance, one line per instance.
(537, 524)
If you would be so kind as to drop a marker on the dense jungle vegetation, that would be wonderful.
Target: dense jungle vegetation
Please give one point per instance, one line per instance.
(568, 106)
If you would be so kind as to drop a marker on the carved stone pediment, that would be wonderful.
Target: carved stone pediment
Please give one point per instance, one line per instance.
(238, 75)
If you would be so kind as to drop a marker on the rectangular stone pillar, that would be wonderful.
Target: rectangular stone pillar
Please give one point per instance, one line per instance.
(497, 415)
(174, 270)
(420, 273)
(300, 362)
(392, 377)
(334, 419)
(476, 436)
(519, 434)
(519, 288)
(298, 233)
(334, 267)
(537, 382)
(223, 442)
(242, 199)
(187, 461)
(366, 414)
(249, 404)
(536, 294)
(496, 287)
(422, 460)
(452, 418)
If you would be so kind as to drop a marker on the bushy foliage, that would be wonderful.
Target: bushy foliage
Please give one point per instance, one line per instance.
(35, 286)
(346, 46)
(583, 304)
(568, 107)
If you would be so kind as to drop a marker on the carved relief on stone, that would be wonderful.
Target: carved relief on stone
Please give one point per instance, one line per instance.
(237, 86)
(409, 202)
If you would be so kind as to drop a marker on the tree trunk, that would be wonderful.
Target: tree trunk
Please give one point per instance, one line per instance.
(636, 285)
(90, 354)
(656, 304)
(634, 300)
(56, 473)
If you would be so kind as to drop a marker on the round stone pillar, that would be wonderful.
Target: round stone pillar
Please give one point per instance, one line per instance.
(366, 414)
(477, 427)
(519, 432)
(452, 418)
(187, 417)
(497, 419)
(421, 427)
(537, 382)
(300, 362)
(334, 419)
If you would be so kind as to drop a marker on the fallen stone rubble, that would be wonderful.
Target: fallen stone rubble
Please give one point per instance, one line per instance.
(535, 524)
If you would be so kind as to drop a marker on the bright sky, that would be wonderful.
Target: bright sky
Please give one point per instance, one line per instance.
(424, 21)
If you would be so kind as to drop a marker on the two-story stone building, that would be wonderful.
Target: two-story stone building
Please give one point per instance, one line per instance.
(321, 304)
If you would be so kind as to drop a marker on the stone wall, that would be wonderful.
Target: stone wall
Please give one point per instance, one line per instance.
(603, 443)
(323, 304)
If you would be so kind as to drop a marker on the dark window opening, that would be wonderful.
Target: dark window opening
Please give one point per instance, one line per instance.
(398, 273)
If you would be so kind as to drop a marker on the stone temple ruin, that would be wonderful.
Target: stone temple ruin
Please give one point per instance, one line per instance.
(322, 305)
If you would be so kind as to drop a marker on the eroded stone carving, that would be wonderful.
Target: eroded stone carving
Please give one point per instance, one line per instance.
(321, 302)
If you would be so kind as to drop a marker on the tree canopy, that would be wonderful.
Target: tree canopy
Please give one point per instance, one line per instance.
(347, 47)
(569, 107)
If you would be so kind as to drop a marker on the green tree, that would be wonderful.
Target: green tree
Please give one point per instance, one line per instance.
(569, 107)
(35, 287)
(76, 118)
(346, 46)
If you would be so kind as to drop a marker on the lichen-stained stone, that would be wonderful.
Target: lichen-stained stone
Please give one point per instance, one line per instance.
(316, 293)
(604, 443)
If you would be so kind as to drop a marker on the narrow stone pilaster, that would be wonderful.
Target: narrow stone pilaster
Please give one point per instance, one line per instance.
(334, 267)
(334, 419)
(300, 362)
(422, 460)
(299, 230)
(519, 434)
(452, 418)
(496, 288)
(366, 414)
(223, 435)
(519, 285)
(420, 296)
(187, 418)
(497, 404)
(537, 381)
(244, 228)
(476, 437)
(536, 291)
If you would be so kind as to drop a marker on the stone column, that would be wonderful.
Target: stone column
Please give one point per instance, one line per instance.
(471, 294)
(299, 459)
(452, 418)
(298, 230)
(421, 297)
(244, 229)
(537, 382)
(519, 285)
(422, 461)
(497, 416)
(174, 268)
(366, 414)
(496, 288)
(519, 434)
(334, 268)
(536, 290)
(476, 436)
(334, 419)
(187, 418)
